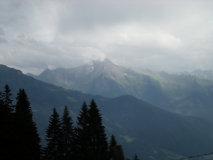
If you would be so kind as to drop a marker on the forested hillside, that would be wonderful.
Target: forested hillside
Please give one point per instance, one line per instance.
(138, 126)
(20, 140)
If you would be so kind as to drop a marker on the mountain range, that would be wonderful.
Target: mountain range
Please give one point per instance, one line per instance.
(140, 127)
(203, 74)
(187, 94)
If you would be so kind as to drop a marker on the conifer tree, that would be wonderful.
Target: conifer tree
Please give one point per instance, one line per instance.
(6, 99)
(6, 124)
(98, 142)
(67, 138)
(82, 137)
(53, 150)
(112, 143)
(135, 157)
(26, 137)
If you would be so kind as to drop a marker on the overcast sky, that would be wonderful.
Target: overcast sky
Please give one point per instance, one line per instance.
(158, 35)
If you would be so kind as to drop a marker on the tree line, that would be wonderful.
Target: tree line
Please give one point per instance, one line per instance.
(19, 138)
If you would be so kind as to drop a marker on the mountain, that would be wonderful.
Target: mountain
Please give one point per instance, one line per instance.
(83, 78)
(141, 128)
(203, 74)
(184, 94)
(32, 75)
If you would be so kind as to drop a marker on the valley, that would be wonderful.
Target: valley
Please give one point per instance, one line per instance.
(140, 127)
(185, 94)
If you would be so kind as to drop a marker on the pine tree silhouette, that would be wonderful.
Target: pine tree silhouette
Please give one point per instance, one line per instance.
(6, 99)
(98, 141)
(6, 124)
(26, 137)
(135, 157)
(82, 136)
(112, 143)
(53, 150)
(67, 138)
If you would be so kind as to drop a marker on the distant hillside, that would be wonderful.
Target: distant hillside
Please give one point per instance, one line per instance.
(141, 128)
(32, 75)
(184, 94)
(203, 74)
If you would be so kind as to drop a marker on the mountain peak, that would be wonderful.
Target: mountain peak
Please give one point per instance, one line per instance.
(104, 61)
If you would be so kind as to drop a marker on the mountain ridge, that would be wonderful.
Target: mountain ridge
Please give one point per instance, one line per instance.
(203, 74)
(173, 92)
(140, 127)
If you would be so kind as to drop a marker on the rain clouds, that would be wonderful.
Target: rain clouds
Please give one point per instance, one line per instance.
(159, 35)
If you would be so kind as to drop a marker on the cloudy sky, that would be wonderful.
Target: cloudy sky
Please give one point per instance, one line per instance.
(167, 35)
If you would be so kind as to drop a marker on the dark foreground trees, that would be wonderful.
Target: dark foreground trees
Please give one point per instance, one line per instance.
(86, 141)
(98, 138)
(6, 124)
(18, 133)
(90, 134)
(82, 136)
(112, 143)
(59, 137)
(53, 150)
(67, 138)
(27, 139)
(19, 138)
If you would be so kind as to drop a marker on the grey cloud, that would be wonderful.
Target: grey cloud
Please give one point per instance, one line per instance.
(32, 55)
(2, 32)
(3, 40)
(87, 17)
(144, 34)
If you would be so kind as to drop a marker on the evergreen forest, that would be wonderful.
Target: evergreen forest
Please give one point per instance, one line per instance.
(19, 139)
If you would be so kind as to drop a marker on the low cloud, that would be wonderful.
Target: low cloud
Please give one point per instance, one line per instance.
(2, 32)
(167, 35)
(3, 40)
